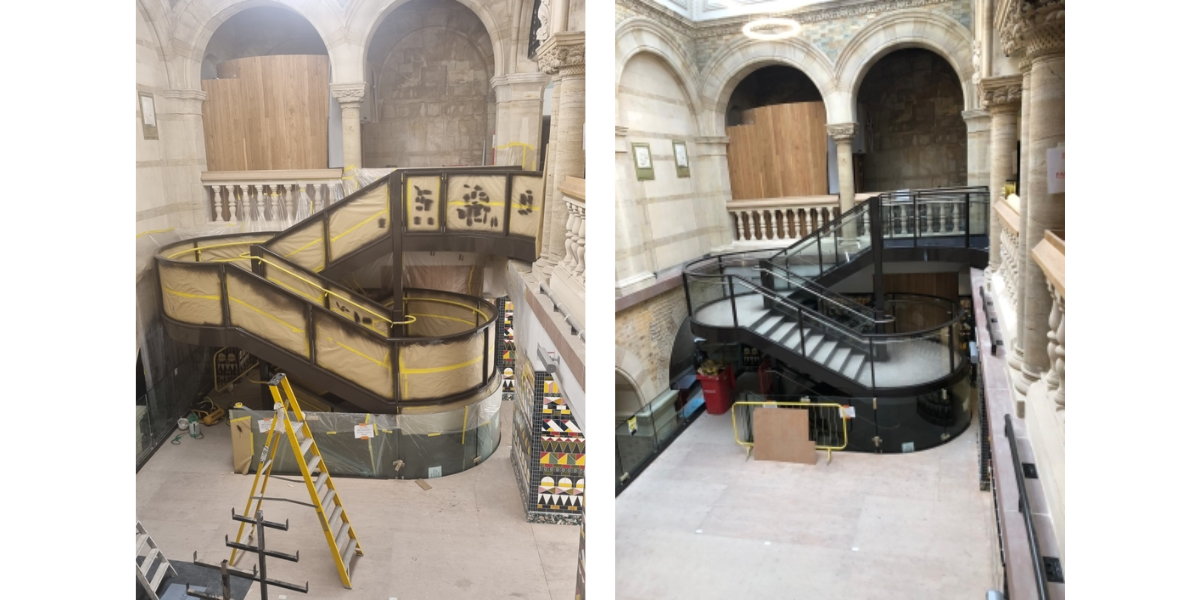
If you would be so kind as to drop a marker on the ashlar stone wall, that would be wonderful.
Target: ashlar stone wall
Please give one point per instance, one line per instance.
(645, 335)
(912, 115)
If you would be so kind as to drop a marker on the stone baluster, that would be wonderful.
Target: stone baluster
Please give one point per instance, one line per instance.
(568, 259)
(242, 194)
(581, 243)
(289, 201)
(261, 198)
(1056, 317)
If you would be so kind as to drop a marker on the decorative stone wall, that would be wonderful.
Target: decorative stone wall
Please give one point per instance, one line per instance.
(645, 335)
(434, 63)
(912, 114)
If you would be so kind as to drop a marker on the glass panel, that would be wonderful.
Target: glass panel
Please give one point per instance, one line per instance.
(708, 299)
(636, 441)
(912, 360)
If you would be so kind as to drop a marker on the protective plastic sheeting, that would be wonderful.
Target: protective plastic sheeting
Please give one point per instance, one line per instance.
(422, 202)
(354, 355)
(436, 370)
(525, 211)
(475, 203)
(354, 223)
(191, 295)
(267, 313)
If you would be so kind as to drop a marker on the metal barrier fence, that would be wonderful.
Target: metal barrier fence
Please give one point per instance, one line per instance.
(826, 424)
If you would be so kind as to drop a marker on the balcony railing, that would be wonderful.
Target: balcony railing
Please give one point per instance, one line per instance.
(781, 220)
(269, 200)
(1051, 255)
(1010, 247)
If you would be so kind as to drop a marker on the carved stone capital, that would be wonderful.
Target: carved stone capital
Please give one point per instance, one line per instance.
(348, 93)
(1037, 27)
(842, 132)
(562, 54)
(1000, 94)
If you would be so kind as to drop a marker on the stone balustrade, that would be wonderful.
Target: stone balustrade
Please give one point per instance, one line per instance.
(1010, 246)
(575, 260)
(1051, 255)
(780, 220)
(269, 198)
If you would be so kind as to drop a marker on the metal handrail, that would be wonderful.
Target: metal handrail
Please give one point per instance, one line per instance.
(815, 234)
(1038, 569)
(784, 300)
(827, 294)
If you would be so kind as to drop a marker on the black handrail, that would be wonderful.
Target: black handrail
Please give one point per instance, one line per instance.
(816, 233)
(1038, 568)
(824, 292)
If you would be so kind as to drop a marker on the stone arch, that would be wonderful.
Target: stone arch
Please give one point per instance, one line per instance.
(197, 39)
(153, 15)
(641, 398)
(905, 29)
(737, 60)
(367, 16)
(639, 35)
(520, 37)
(632, 368)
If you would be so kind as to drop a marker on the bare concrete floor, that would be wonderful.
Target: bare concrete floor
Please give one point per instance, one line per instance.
(703, 522)
(465, 538)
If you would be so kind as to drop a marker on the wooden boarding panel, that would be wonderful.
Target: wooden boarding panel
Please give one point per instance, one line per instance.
(779, 151)
(267, 113)
(781, 434)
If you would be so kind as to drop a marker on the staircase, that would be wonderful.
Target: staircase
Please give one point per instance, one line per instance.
(778, 300)
(281, 296)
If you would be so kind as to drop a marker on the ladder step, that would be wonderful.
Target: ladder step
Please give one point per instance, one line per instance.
(149, 561)
(141, 541)
(160, 574)
(336, 516)
(314, 463)
(342, 536)
(305, 445)
(348, 553)
(321, 481)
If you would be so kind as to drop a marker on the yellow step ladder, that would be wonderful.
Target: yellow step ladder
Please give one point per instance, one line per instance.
(339, 533)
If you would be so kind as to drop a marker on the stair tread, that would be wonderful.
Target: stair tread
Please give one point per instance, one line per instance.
(854, 365)
(783, 332)
(766, 324)
(838, 358)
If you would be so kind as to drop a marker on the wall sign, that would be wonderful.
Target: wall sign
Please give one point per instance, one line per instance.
(642, 162)
(681, 160)
(149, 119)
(1056, 174)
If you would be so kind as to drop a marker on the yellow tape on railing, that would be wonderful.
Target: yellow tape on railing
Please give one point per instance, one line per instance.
(155, 231)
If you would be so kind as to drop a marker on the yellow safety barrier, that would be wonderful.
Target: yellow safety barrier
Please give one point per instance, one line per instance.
(829, 405)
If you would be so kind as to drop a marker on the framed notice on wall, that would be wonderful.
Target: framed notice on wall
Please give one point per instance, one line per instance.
(642, 162)
(149, 119)
(681, 160)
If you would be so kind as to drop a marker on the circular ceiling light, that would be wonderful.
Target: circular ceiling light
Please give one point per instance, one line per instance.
(772, 29)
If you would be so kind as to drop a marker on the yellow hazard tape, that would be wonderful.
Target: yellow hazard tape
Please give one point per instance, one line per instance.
(155, 231)
(187, 295)
(380, 363)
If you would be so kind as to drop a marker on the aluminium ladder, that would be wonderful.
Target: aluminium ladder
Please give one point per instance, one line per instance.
(339, 533)
(145, 562)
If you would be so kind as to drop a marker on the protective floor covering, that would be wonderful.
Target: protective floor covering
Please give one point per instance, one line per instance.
(464, 538)
(702, 522)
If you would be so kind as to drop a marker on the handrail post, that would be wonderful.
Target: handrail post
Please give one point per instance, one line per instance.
(967, 220)
(733, 303)
(871, 357)
(687, 294)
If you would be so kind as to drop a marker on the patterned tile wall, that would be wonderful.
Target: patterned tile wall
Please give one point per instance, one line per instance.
(506, 352)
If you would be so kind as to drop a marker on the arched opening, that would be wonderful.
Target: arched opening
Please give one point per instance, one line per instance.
(775, 120)
(628, 399)
(430, 103)
(910, 110)
(266, 74)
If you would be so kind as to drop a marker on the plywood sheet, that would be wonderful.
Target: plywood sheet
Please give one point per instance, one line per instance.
(781, 434)
(267, 113)
(781, 151)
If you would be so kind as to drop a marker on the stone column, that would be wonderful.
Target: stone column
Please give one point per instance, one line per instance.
(349, 96)
(562, 57)
(181, 133)
(843, 136)
(1002, 98)
(1017, 357)
(1042, 26)
(979, 124)
(712, 172)
(519, 118)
